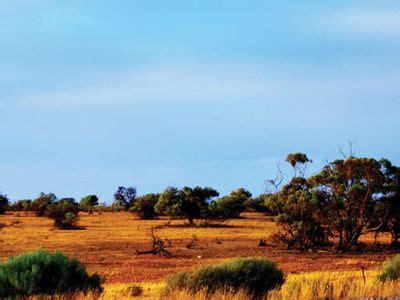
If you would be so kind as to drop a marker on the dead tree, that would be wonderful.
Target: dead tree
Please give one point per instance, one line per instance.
(159, 246)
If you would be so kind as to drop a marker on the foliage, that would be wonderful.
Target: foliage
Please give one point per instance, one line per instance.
(388, 212)
(64, 213)
(144, 206)
(44, 273)
(40, 204)
(3, 204)
(260, 203)
(125, 197)
(187, 202)
(351, 189)
(21, 205)
(230, 206)
(88, 202)
(300, 215)
(256, 276)
(390, 269)
(347, 198)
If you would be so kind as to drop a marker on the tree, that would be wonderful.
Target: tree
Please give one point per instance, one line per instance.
(88, 202)
(187, 202)
(299, 210)
(230, 206)
(300, 214)
(259, 203)
(144, 206)
(39, 205)
(351, 188)
(389, 206)
(125, 197)
(64, 212)
(21, 205)
(299, 163)
(3, 204)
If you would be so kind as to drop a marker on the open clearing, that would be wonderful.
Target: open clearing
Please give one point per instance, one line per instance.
(108, 242)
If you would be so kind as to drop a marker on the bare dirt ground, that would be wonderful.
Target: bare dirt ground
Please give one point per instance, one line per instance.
(107, 245)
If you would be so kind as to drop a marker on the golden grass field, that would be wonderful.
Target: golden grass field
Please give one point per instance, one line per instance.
(108, 242)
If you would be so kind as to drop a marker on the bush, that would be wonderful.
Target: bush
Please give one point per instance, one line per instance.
(21, 205)
(144, 206)
(390, 269)
(64, 213)
(44, 273)
(40, 204)
(230, 206)
(256, 276)
(3, 204)
(88, 202)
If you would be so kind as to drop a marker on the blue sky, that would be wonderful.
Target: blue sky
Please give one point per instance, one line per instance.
(96, 94)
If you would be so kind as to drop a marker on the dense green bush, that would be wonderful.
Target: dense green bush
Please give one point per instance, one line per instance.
(390, 269)
(256, 276)
(64, 212)
(88, 202)
(44, 273)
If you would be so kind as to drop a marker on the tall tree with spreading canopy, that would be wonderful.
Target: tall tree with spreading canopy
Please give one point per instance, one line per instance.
(187, 202)
(351, 188)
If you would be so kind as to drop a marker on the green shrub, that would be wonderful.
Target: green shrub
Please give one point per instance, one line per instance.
(64, 213)
(390, 269)
(256, 276)
(44, 273)
(88, 202)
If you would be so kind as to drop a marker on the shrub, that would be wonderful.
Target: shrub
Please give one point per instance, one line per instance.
(390, 269)
(64, 213)
(256, 276)
(88, 202)
(230, 206)
(44, 273)
(3, 204)
(40, 204)
(21, 205)
(144, 206)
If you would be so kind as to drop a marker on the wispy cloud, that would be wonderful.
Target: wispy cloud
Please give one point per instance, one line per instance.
(364, 22)
(157, 84)
(200, 83)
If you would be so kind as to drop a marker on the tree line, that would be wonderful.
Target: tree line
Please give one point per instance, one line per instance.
(189, 203)
(344, 200)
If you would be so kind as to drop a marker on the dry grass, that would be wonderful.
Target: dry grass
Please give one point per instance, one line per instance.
(107, 245)
(316, 285)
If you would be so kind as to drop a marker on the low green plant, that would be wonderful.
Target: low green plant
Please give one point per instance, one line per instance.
(255, 276)
(44, 273)
(390, 269)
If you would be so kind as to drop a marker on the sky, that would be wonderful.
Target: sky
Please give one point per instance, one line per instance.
(99, 94)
